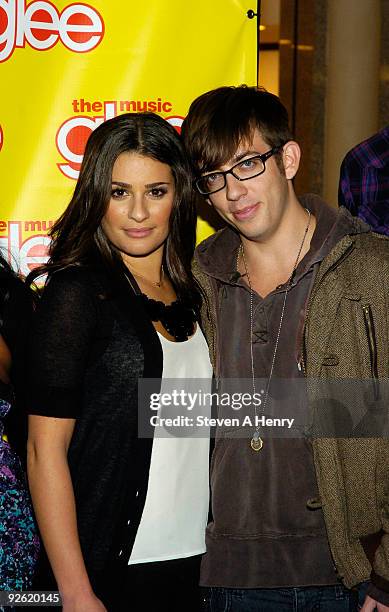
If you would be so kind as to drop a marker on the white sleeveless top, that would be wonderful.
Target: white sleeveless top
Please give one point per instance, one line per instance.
(176, 509)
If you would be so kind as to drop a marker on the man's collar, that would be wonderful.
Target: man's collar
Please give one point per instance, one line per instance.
(217, 255)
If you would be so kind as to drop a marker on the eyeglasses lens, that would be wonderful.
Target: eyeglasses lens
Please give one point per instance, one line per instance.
(215, 181)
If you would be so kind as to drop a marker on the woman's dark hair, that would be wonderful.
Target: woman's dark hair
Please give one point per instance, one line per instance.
(219, 120)
(77, 233)
(7, 278)
(5, 268)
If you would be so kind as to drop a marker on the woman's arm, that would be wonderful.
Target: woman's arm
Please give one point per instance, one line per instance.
(53, 498)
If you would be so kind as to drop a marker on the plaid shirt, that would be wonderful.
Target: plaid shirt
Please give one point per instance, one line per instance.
(364, 181)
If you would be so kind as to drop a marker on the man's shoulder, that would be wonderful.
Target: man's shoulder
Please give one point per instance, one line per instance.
(365, 256)
(373, 244)
(213, 247)
(370, 152)
(211, 254)
(217, 240)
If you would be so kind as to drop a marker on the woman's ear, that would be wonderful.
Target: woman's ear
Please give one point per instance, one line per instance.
(291, 155)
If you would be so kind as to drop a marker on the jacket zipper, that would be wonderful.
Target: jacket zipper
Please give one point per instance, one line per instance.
(371, 338)
(302, 362)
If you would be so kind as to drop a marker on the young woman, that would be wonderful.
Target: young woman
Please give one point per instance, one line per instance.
(19, 542)
(122, 518)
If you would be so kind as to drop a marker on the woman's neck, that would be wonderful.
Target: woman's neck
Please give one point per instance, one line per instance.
(148, 268)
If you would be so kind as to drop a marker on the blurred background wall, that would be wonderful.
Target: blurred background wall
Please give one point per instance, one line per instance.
(328, 60)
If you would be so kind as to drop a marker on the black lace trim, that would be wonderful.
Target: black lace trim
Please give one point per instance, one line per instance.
(177, 318)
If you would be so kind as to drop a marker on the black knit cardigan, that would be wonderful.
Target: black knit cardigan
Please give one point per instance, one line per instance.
(91, 342)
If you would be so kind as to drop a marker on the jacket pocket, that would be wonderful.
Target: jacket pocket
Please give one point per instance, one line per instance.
(372, 342)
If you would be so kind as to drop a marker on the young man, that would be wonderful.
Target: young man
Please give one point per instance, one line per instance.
(293, 288)
(364, 181)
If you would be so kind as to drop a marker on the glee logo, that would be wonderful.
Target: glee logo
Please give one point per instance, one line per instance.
(176, 121)
(1, 138)
(25, 253)
(74, 132)
(72, 136)
(79, 26)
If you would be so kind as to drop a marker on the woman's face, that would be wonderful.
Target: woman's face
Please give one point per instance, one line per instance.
(137, 218)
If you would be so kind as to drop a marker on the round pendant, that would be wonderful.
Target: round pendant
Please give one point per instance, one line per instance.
(256, 442)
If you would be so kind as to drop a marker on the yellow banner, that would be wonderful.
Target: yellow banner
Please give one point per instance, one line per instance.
(66, 67)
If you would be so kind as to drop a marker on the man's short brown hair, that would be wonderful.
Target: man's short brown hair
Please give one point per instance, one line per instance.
(219, 120)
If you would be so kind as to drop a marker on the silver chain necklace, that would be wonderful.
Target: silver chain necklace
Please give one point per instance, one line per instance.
(256, 441)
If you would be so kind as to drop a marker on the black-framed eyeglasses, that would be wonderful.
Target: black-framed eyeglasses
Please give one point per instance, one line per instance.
(246, 169)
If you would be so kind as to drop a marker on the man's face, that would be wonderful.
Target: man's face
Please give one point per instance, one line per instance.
(255, 207)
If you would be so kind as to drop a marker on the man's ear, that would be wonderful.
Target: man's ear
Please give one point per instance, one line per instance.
(291, 155)
(208, 201)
